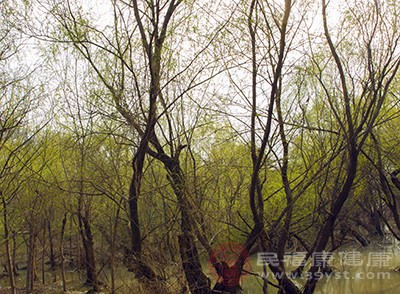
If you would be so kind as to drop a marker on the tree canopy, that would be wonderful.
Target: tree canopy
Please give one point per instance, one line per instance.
(142, 135)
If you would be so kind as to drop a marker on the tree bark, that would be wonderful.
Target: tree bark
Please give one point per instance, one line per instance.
(51, 244)
(10, 262)
(88, 246)
(327, 229)
(64, 282)
(31, 262)
(197, 280)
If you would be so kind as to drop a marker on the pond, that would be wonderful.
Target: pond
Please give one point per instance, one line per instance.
(356, 270)
(360, 271)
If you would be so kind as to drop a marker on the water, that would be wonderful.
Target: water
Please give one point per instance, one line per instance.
(358, 271)
(365, 271)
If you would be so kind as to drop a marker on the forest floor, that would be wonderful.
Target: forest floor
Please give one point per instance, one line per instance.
(48, 289)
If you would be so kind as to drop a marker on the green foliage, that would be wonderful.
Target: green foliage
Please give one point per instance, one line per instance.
(81, 162)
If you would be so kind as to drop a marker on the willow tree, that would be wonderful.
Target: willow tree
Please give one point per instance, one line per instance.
(266, 41)
(17, 102)
(383, 158)
(356, 82)
(275, 28)
(130, 53)
(352, 81)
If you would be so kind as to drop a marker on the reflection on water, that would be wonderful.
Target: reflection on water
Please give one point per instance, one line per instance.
(356, 270)
(363, 271)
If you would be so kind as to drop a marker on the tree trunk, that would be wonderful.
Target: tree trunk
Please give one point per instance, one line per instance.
(327, 229)
(114, 229)
(134, 192)
(136, 264)
(10, 261)
(88, 246)
(14, 253)
(64, 283)
(31, 263)
(51, 244)
(197, 280)
(44, 254)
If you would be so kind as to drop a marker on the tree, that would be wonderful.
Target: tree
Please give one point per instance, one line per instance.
(17, 101)
(279, 50)
(361, 97)
(383, 158)
(141, 105)
(297, 113)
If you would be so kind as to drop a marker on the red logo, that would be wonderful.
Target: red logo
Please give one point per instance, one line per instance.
(229, 262)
